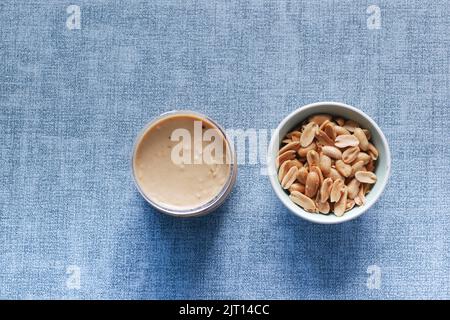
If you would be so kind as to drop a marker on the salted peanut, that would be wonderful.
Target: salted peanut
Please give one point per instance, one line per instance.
(373, 152)
(340, 121)
(322, 207)
(297, 163)
(289, 178)
(319, 118)
(335, 175)
(350, 205)
(361, 195)
(358, 166)
(303, 201)
(366, 177)
(330, 131)
(324, 124)
(295, 145)
(297, 187)
(284, 168)
(341, 205)
(303, 151)
(294, 133)
(367, 188)
(313, 158)
(325, 189)
(350, 154)
(325, 164)
(312, 184)
(350, 125)
(361, 136)
(332, 152)
(302, 175)
(353, 188)
(370, 166)
(324, 139)
(346, 140)
(288, 155)
(319, 173)
(362, 156)
(340, 130)
(308, 134)
(336, 189)
(343, 168)
(360, 199)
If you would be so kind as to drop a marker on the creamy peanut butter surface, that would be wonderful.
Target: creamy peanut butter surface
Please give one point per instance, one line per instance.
(175, 169)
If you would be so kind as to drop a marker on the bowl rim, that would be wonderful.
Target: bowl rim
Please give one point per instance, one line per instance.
(298, 211)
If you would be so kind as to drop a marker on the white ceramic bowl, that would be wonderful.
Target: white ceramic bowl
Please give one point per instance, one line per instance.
(382, 169)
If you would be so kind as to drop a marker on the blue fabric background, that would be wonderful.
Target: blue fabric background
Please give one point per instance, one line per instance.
(72, 102)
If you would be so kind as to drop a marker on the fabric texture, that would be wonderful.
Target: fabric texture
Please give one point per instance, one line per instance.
(72, 224)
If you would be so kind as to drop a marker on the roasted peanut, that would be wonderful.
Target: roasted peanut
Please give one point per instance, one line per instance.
(320, 118)
(312, 184)
(289, 178)
(330, 131)
(302, 174)
(335, 193)
(341, 205)
(366, 177)
(325, 189)
(350, 125)
(346, 140)
(323, 207)
(343, 168)
(308, 134)
(284, 168)
(373, 152)
(288, 155)
(335, 175)
(326, 164)
(332, 152)
(295, 145)
(303, 201)
(362, 156)
(303, 151)
(297, 187)
(324, 139)
(353, 188)
(361, 136)
(350, 154)
(313, 158)
(340, 130)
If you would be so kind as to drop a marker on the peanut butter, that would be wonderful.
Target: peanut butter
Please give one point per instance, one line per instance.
(174, 170)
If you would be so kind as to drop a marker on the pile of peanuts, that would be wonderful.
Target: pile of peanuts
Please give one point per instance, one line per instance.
(327, 164)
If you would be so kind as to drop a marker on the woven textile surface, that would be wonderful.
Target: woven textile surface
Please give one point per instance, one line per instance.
(74, 93)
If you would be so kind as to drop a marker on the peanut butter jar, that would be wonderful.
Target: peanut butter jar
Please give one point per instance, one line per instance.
(183, 164)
